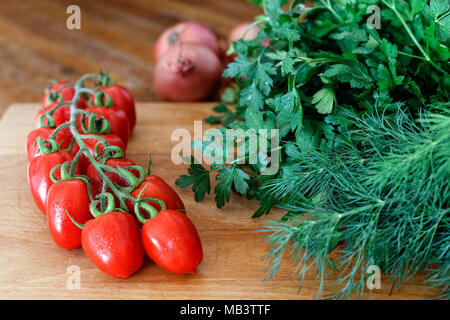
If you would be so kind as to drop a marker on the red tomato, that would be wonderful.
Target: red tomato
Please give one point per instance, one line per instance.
(63, 137)
(123, 100)
(61, 115)
(157, 188)
(64, 95)
(97, 180)
(116, 117)
(171, 241)
(73, 196)
(38, 173)
(90, 143)
(113, 243)
(51, 100)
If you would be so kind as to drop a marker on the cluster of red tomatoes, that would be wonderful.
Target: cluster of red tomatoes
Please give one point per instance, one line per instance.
(96, 198)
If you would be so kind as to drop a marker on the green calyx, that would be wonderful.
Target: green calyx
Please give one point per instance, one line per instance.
(56, 95)
(143, 204)
(48, 115)
(50, 121)
(52, 97)
(110, 204)
(105, 80)
(103, 100)
(96, 125)
(67, 173)
(108, 152)
(47, 146)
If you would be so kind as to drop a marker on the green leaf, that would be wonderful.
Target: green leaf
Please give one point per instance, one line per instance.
(444, 28)
(384, 77)
(228, 177)
(254, 119)
(226, 118)
(239, 68)
(266, 202)
(229, 96)
(213, 119)
(353, 33)
(324, 100)
(389, 49)
(252, 97)
(287, 65)
(355, 74)
(199, 179)
(284, 106)
(439, 7)
(262, 77)
(240, 181)
(309, 137)
(416, 6)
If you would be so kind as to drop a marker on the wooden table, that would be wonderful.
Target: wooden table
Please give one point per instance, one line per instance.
(33, 267)
(115, 35)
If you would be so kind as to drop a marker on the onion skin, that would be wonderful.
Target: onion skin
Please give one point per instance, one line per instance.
(235, 34)
(186, 32)
(238, 32)
(187, 72)
(308, 4)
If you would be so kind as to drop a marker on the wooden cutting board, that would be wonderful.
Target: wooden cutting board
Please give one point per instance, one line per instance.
(33, 267)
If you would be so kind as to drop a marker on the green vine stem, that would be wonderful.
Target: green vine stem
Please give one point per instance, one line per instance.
(121, 193)
(62, 126)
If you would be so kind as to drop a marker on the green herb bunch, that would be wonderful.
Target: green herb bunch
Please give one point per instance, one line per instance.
(364, 122)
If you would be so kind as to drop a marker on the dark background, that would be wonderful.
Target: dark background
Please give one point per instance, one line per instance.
(115, 35)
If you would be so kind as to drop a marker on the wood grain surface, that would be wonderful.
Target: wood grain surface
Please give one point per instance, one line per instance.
(115, 35)
(33, 267)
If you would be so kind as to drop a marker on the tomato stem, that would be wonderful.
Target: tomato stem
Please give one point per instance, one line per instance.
(99, 126)
(110, 205)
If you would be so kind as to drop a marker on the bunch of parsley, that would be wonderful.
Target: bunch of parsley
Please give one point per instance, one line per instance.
(364, 122)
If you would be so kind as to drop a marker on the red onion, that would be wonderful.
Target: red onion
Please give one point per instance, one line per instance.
(187, 72)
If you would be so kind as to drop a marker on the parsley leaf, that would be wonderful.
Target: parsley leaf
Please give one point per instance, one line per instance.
(324, 100)
(199, 179)
(229, 177)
